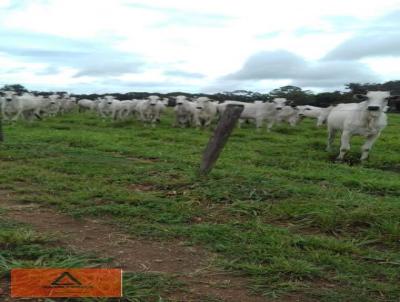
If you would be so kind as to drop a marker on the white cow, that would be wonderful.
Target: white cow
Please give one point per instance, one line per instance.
(103, 106)
(184, 112)
(9, 105)
(26, 105)
(2, 94)
(160, 108)
(324, 115)
(68, 104)
(318, 113)
(206, 111)
(259, 112)
(288, 114)
(150, 110)
(367, 119)
(54, 105)
(86, 105)
(122, 109)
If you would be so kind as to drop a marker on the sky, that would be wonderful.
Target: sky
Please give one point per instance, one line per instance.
(209, 46)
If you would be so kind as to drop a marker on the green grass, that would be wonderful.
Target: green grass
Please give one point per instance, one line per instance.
(276, 208)
(20, 247)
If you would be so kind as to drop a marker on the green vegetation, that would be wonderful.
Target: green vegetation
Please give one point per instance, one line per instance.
(276, 208)
(20, 247)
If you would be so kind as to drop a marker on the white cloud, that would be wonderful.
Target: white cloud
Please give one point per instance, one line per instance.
(145, 41)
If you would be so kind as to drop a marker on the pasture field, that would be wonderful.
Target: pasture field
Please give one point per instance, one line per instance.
(276, 210)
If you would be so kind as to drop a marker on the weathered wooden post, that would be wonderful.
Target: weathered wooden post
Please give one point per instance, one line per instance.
(1, 129)
(220, 137)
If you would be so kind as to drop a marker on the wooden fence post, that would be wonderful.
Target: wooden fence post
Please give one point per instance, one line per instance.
(1, 129)
(220, 137)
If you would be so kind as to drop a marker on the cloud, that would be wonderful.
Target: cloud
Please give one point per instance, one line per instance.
(94, 58)
(268, 35)
(177, 44)
(109, 68)
(279, 64)
(184, 74)
(367, 45)
(282, 64)
(150, 86)
(184, 17)
(380, 39)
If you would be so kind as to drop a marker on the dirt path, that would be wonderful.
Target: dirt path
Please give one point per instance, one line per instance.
(190, 264)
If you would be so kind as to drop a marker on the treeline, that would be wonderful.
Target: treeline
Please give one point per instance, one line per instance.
(296, 94)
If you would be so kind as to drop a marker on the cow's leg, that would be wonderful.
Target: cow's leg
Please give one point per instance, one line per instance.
(176, 122)
(114, 115)
(259, 123)
(367, 146)
(331, 138)
(345, 144)
(198, 124)
(5, 116)
(270, 124)
(16, 117)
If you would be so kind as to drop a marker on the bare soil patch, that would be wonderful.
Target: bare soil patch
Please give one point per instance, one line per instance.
(191, 264)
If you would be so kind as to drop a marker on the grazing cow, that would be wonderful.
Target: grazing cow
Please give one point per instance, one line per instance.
(103, 106)
(68, 104)
(259, 112)
(324, 115)
(206, 111)
(122, 109)
(367, 119)
(150, 110)
(184, 112)
(2, 94)
(318, 113)
(160, 108)
(86, 105)
(26, 105)
(9, 106)
(288, 114)
(54, 105)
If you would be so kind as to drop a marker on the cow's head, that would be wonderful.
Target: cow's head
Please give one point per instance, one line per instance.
(376, 101)
(109, 99)
(279, 103)
(201, 102)
(180, 99)
(9, 95)
(303, 110)
(153, 100)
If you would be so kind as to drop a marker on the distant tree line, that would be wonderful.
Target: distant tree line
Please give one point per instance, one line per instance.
(296, 94)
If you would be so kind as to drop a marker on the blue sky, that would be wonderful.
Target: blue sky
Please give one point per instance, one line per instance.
(197, 46)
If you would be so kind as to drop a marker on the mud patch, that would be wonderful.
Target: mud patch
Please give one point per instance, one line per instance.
(190, 264)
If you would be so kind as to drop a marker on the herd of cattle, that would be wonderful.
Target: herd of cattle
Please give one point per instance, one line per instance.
(367, 117)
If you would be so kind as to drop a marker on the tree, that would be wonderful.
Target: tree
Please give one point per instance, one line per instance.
(18, 88)
(293, 93)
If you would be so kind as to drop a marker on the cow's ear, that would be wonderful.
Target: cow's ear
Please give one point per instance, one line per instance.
(360, 97)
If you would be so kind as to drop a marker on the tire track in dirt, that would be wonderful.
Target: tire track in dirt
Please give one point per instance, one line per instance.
(191, 264)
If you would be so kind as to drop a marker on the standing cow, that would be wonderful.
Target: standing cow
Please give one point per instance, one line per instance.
(206, 112)
(184, 112)
(367, 119)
